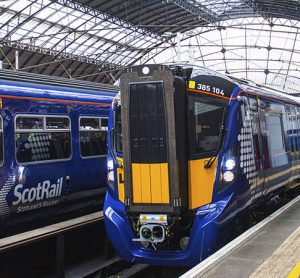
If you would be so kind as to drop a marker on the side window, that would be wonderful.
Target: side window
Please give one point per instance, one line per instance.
(291, 128)
(42, 138)
(1, 141)
(275, 140)
(93, 132)
(297, 128)
(118, 142)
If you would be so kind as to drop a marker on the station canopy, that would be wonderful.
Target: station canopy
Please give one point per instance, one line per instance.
(95, 39)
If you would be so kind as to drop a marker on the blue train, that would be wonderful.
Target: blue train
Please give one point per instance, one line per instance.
(190, 152)
(52, 146)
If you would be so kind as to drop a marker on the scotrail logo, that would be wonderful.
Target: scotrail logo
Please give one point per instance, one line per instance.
(44, 190)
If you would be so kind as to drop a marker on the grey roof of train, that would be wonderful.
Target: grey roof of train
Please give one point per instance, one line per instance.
(95, 39)
(26, 77)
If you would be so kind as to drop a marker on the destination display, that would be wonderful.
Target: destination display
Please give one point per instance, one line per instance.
(212, 85)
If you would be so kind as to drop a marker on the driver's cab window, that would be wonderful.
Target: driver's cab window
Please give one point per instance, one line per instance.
(207, 125)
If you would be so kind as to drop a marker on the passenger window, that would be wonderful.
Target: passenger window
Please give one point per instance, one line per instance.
(275, 140)
(57, 123)
(295, 131)
(104, 123)
(42, 138)
(118, 141)
(292, 129)
(30, 122)
(93, 132)
(1, 141)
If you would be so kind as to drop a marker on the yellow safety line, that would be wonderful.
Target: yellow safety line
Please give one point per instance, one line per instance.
(295, 273)
(294, 185)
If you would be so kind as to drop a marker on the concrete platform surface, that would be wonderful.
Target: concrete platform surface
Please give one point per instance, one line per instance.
(273, 251)
(283, 260)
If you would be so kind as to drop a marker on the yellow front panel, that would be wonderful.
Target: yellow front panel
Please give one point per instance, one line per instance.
(150, 183)
(145, 183)
(201, 182)
(164, 173)
(120, 177)
(136, 183)
(155, 183)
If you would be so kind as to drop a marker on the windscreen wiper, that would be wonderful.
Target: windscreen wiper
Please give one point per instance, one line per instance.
(213, 158)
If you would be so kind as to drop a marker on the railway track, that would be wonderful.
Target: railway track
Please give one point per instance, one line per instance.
(122, 269)
(79, 248)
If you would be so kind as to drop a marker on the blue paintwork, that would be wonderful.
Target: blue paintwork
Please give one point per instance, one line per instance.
(210, 221)
(87, 175)
(205, 228)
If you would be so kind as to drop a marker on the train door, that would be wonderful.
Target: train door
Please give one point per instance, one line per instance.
(90, 173)
(297, 139)
(276, 160)
(291, 132)
(258, 179)
(262, 106)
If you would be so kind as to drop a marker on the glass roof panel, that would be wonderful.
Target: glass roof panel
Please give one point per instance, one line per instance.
(247, 47)
(217, 7)
(68, 30)
(257, 51)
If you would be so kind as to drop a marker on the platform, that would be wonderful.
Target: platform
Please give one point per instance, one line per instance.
(269, 249)
(16, 246)
(53, 230)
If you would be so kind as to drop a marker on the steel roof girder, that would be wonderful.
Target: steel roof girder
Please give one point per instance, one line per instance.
(53, 53)
(193, 9)
(68, 30)
(94, 12)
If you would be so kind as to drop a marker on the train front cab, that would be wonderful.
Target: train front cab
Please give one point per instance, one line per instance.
(195, 157)
(171, 137)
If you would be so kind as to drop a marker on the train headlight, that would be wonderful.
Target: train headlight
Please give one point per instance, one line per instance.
(110, 164)
(146, 233)
(228, 176)
(229, 164)
(110, 171)
(157, 232)
(228, 169)
(110, 176)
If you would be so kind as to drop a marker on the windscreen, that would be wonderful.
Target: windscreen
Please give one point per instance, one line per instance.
(207, 126)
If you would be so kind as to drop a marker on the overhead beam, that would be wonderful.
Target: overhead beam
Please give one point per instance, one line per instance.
(56, 54)
(194, 9)
(62, 53)
(63, 30)
(257, 8)
(107, 17)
